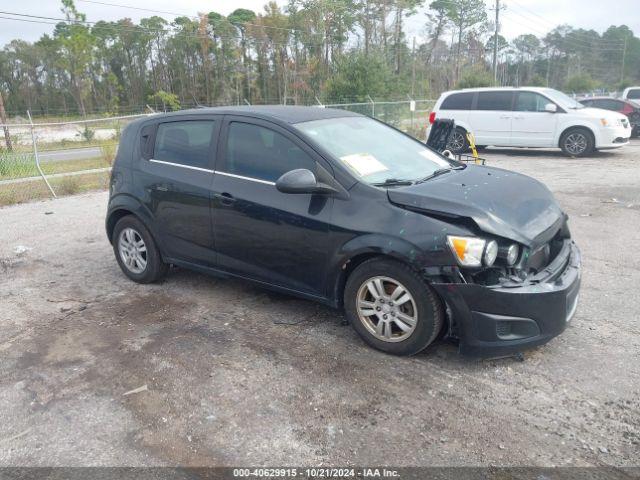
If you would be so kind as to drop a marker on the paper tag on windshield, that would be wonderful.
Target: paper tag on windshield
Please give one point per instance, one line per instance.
(434, 158)
(364, 164)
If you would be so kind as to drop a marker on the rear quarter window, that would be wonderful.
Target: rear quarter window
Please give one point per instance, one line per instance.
(458, 101)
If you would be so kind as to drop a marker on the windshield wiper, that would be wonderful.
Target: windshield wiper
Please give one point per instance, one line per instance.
(440, 171)
(392, 182)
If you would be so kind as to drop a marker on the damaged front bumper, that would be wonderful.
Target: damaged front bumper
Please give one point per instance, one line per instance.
(504, 319)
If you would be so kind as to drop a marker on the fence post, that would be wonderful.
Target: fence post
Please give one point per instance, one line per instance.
(373, 106)
(35, 154)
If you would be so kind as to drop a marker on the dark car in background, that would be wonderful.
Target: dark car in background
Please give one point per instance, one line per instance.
(627, 107)
(342, 209)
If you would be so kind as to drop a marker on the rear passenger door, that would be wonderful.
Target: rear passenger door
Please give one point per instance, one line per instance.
(490, 119)
(532, 126)
(261, 233)
(176, 173)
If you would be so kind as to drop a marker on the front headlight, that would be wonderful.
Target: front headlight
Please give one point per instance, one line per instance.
(509, 253)
(473, 251)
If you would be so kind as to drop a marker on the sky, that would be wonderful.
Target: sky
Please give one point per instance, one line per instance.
(518, 16)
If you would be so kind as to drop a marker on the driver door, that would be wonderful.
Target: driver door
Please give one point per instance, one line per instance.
(261, 233)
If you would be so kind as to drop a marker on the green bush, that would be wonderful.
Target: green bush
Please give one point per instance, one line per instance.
(580, 83)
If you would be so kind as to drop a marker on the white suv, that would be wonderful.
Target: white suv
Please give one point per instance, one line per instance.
(631, 93)
(529, 117)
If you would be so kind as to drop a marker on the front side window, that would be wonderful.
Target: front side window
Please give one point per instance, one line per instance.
(458, 101)
(494, 100)
(261, 153)
(186, 143)
(372, 151)
(530, 102)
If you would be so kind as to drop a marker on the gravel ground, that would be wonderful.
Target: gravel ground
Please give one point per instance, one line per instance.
(236, 375)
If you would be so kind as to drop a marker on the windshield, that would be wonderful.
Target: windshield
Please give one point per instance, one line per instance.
(372, 151)
(562, 99)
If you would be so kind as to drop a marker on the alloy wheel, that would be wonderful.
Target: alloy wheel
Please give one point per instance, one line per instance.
(133, 251)
(576, 143)
(387, 309)
(456, 141)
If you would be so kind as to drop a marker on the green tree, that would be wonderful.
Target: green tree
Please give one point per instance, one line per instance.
(465, 14)
(359, 76)
(580, 83)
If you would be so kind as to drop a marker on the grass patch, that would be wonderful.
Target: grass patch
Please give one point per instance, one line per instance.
(20, 165)
(37, 190)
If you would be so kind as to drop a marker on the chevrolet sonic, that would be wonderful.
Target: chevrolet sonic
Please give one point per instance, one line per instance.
(340, 208)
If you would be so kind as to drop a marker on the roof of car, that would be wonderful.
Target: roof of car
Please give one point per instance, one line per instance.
(602, 97)
(283, 113)
(492, 89)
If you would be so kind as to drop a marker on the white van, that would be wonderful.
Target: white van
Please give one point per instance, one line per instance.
(529, 117)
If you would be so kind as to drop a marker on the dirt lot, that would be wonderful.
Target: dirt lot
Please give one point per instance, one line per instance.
(238, 375)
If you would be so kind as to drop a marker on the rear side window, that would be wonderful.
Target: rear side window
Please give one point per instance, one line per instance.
(634, 93)
(261, 153)
(494, 100)
(530, 102)
(457, 101)
(186, 143)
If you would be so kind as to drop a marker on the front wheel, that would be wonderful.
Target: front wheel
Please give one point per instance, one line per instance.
(577, 142)
(391, 307)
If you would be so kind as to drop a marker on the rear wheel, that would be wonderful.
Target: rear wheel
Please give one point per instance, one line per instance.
(458, 142)
(391, 307)
(136, 251)
(577, 142)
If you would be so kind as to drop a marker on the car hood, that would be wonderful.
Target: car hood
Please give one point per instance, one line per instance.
(598, 113)
(500, 202)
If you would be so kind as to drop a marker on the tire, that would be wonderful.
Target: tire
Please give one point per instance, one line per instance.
(458, 142)
(387, 326)
(130, 228)
(577, 142)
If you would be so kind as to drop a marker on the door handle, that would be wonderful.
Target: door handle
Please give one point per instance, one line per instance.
(504, 117)
(162, 188)
(518, 118)
(225, 198)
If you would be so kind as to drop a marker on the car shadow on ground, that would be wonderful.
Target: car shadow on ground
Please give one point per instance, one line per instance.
(547, 153)
(288, 310)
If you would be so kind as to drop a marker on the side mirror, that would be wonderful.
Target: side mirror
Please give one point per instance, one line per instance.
(551, 108)
(302, 180)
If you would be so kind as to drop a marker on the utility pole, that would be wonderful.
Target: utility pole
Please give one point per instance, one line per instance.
(495, 44)
(624, 54)
(3, 120)
(413, 68)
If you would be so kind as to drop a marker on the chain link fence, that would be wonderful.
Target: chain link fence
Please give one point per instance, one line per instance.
(49, 159)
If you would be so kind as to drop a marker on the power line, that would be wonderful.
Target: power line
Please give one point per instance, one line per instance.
(578, 37)
(135, 28)
(543, 20)
(195, 17)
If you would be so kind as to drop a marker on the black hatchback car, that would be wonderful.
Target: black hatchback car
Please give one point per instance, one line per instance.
(340, 208)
